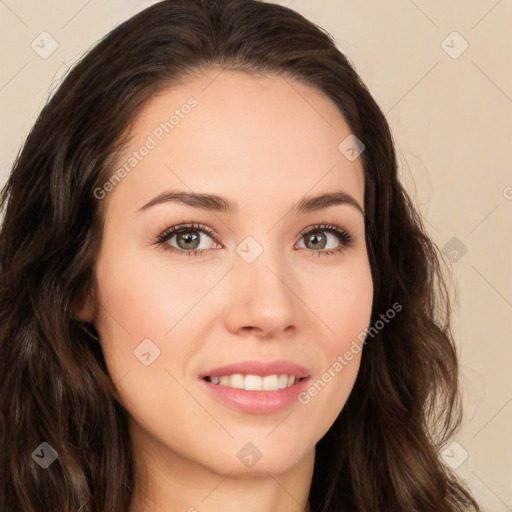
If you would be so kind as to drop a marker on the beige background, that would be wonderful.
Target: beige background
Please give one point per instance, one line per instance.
(451, 116)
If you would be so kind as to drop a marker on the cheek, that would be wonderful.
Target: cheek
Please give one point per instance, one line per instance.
(149, 307)
(147, 299)
(345, 311)
(342, 300)
(143, 314)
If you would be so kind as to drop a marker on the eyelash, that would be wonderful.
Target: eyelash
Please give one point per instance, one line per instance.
(345, 238)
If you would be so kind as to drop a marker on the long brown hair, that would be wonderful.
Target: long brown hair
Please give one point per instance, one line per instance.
(382, 452)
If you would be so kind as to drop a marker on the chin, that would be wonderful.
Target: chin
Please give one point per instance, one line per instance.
(261, 456)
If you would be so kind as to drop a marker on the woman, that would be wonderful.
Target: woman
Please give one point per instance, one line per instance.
(170, 344)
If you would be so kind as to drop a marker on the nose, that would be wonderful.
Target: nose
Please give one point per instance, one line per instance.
(263, 300)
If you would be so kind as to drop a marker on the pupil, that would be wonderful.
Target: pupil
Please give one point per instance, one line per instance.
(187, 238)
(315, 238)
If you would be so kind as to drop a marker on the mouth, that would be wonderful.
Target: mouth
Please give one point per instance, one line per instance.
(255, 382)
(256, 387)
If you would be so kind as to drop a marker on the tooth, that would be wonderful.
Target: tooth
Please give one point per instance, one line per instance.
(283, 381)
(237, 381)
(269, 383)
(253, 382)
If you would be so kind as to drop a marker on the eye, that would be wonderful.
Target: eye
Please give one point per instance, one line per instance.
(187, 237)
(317, 239)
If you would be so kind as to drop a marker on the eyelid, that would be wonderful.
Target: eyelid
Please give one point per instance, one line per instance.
(345, 237)
(325, 226)
(171, 231)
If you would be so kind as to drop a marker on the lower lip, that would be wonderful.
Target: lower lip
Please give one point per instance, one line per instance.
(259, 402)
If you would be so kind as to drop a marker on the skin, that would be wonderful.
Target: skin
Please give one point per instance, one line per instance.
(264, 142)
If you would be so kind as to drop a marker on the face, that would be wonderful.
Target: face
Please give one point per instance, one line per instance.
(276, 289)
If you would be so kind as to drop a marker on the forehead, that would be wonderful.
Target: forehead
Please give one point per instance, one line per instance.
(250, 137)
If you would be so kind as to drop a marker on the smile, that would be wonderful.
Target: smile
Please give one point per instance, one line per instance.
(255, 382)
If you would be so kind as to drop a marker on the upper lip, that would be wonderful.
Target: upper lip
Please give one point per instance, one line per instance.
(260, 368)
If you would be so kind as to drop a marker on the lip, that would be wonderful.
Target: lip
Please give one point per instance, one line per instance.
(260, 368)
(257, 402)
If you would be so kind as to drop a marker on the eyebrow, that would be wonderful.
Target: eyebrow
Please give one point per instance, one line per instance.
(217, 203)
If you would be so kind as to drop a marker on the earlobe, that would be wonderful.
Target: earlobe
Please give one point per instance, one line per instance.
(86, 312)
(86, 316)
